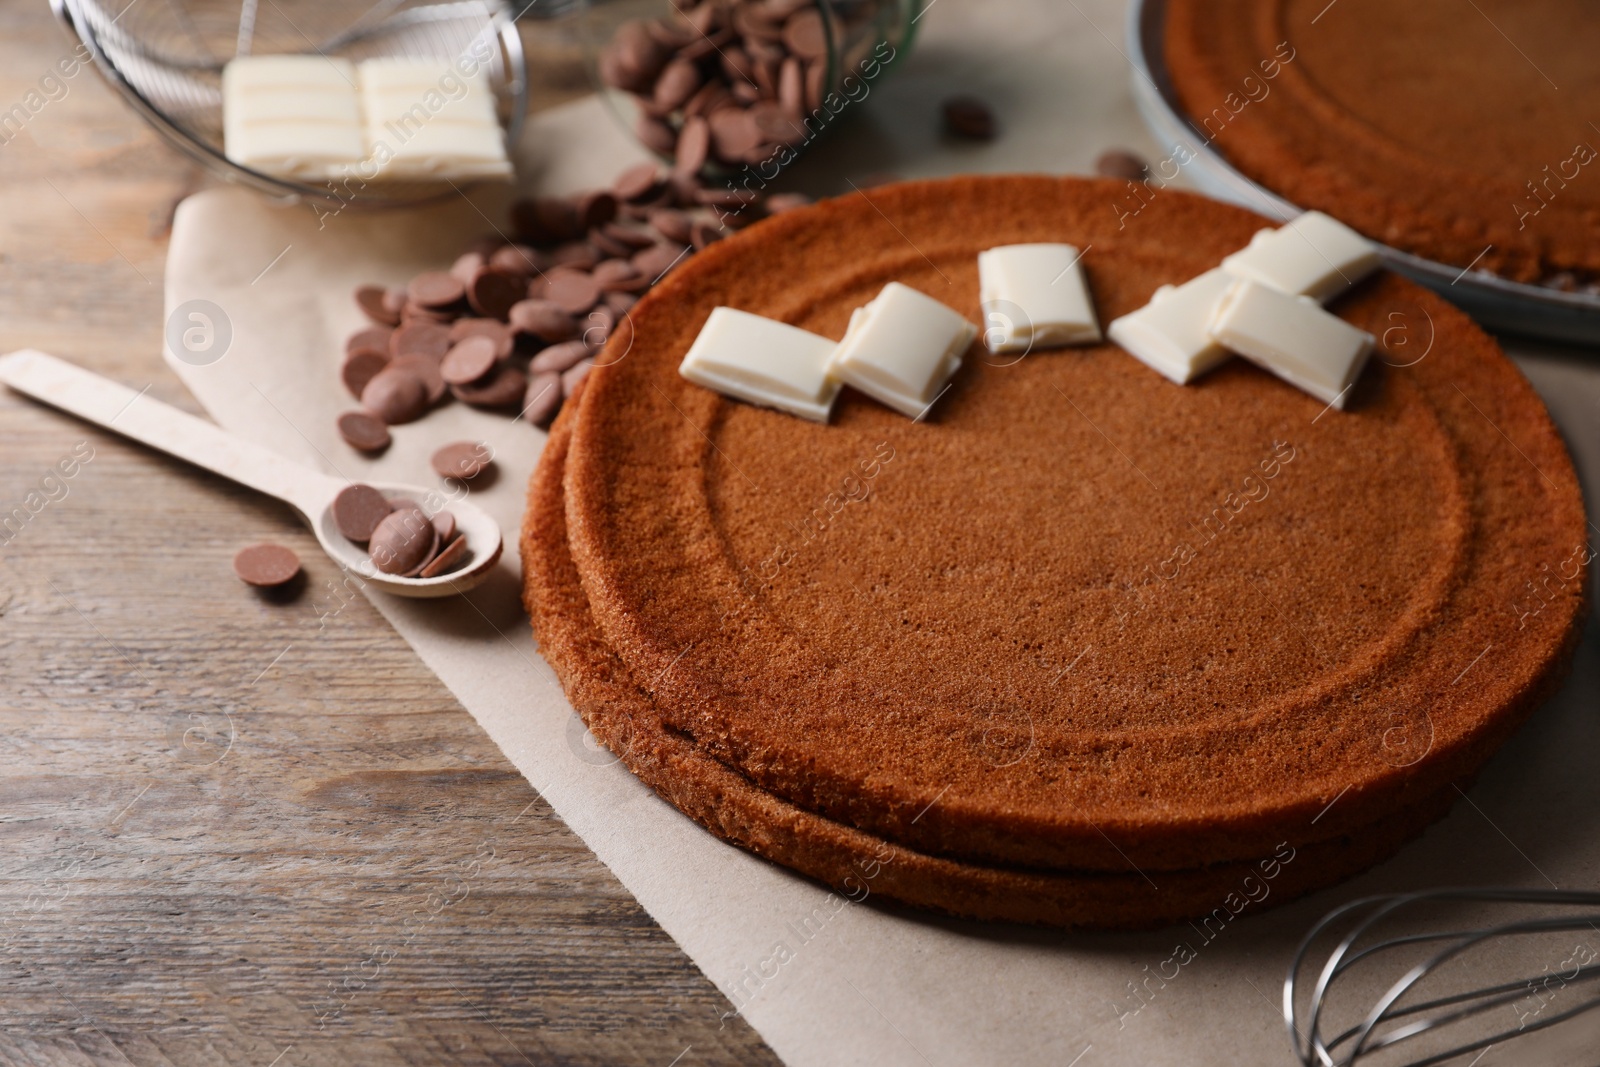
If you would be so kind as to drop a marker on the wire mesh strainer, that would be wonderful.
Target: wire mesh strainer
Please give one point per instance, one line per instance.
(166, 57)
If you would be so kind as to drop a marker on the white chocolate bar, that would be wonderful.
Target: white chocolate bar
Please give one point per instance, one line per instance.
(901, 348)
(1039, 294)
(1315, 256)
(294, 116)
(1292, 337)
(1170, 334)
(763, 362)
(430, 121)
(312, 118)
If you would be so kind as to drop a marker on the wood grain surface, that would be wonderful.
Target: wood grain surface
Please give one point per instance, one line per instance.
(238, 829)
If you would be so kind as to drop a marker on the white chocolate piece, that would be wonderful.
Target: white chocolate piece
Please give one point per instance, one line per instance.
(1170, 334)
(901, 348)
(1044, 284)
(425, 121)
(1292, 337)
(1315, 256)
(311, 118)
(293, 116)
(763, 362)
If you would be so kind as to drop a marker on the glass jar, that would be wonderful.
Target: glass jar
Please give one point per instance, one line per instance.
(742, 84)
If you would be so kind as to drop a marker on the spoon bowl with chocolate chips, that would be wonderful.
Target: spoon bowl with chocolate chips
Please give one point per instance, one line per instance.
(403, 539)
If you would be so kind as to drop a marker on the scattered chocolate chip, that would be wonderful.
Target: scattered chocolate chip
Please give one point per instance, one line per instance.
(620, 302)
(445, 523)
(572, 290)
(371, 339)
(467, 266)
(558, 358)
(656, 260)
(542, 398)
(580, 255)
(1121, 163)
(357, 510)
(547, 321)
(403, 541)
(396, 395)
(501, 388)
(468, 361)
(495, 330)
(638, 182)
(266, 565)
(450, 555)
(435, 288)
(969, 118)
(694, 143)
(617, 274)
(703, 234)
(518, 259)
(655, 135)
(805, 35)
(573, 375)
(360, 368)
(373, 301)
(462, 459)
(596, 208)
(421, 338)
(493, 291)
(363, 431)
(671, 223)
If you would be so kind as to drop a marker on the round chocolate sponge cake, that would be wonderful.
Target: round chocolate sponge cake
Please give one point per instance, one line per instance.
(1460, 132)
(1080, 630)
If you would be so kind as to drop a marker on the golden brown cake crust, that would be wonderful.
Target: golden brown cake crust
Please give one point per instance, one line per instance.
(858, 865)
(1081, 618)
(1432, 126)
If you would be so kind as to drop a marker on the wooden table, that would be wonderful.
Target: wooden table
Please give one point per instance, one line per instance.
(232, 832)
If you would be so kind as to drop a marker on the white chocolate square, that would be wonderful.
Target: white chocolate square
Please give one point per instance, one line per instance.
(901, 348)
(293, 116)
(430, 121)
(764, 362)
(1170, 334)
(1038, 294)
(1292, 337)
(1315, 256)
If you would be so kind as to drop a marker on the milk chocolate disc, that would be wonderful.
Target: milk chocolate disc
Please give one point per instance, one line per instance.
(266, 565)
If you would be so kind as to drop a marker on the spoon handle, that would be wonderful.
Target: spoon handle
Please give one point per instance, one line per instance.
(148, 421)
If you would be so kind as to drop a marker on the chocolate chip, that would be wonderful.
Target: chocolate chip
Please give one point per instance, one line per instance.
(518, 259)
(396, 395)
(703, 234)
(542, 319)
(421, 338)
(426, 370)
(678, 81)
(545, 220)
(655, 135)
(694, 142)
(656, 260)
(363, 431)
(672, 224)
(266, 565)
(435, 289)
(357, 511)
(445, 523)
(495, 330)
(638, 182)
(502, 388)
(804, 34)
(360, 368)
(609, 244)
(791, 88)
(573, 375)
(558, 358)
(619, 302)
(403, 542)
(596, 208)
(462, 459)
(969, 118)
(775, 124)
(371, 339)
(373, 301)
(572, 290)
(542, 398)
(467, 266)
(578, 254)
(617, 274)
(493, 292)
(468, 361)
(447, 559)
(1121, 163)
(733, 133)
(634, 237)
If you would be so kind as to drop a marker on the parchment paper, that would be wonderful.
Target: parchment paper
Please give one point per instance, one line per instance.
(823, 980)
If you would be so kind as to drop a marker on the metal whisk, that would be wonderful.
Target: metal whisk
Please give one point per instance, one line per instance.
(165, 57)
(1403, 979)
